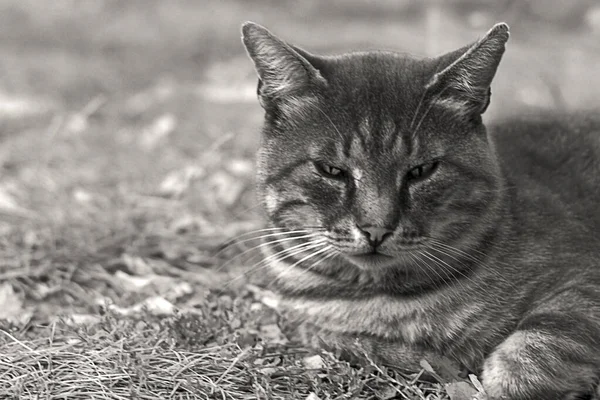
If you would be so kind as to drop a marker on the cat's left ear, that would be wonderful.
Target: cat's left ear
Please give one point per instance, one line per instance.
(463, 86)
(283, 72)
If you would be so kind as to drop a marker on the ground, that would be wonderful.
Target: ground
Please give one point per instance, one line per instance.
(126, 169)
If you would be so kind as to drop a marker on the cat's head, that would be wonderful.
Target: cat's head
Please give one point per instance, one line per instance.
(375, 166)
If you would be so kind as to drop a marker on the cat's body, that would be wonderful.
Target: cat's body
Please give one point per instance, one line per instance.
(408, 227)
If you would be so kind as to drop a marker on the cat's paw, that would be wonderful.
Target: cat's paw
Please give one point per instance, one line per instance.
(533, 365)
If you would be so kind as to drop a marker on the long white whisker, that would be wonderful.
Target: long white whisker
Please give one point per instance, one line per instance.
(236, 239)
(325, 257)
(286, 253)
(261, 245)
(459, 251)
(431, 104)
(330, 121)
(431, 268)
(289, 233)
(420, 265)
(446, 249)
(414, 118)
(443, 263)
(298, 262)
(302, 246)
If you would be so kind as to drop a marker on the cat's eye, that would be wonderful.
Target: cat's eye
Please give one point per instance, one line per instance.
(422, 171)
(329, 171)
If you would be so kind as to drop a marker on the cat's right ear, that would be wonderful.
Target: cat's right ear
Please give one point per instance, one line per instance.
(282, 71)
(463, 86)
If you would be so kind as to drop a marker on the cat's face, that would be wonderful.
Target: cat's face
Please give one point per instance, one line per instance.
(375, 162)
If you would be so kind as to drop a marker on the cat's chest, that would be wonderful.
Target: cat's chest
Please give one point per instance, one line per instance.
(436, 319)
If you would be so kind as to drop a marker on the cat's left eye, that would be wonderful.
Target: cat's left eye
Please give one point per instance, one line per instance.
(329, 171)
(422, 171)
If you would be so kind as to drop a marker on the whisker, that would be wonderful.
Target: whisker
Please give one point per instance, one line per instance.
(442, 263)
(420, 264)
(431, 104)
(257, 238)
(235, 239)
(325, 257)
(433, 269)
(435, 260)
(445, 249)
(421, 101)
(330, 121)
(298, 262)
(292, 251)
(246, 210)
(302, 247)
(261, 245)
(460, 252)
(414, 118)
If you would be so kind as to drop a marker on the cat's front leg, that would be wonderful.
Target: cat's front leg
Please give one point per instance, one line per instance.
(551, 356)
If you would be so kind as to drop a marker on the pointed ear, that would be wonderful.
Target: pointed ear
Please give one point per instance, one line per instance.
(464, 85)
(281, 70)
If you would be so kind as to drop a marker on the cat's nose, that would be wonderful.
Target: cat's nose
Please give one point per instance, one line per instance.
(375, 234)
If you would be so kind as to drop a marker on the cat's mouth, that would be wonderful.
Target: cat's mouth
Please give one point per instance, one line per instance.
(371, 258)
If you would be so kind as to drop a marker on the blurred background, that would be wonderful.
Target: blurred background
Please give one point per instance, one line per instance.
(128, 128)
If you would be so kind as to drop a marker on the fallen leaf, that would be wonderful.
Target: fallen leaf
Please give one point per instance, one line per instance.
(387, 393)
(12, 106)
(190, 223)
(132, 283)
(312, 396)
(82, 196)
(313, 362)
(31, 239)
(76, 124)
(160, 128)
(429, 369)
(268, 371)
(240, 167)
(11, 306)
(460, 391)
(159, 306)
(426, 366)
(155, 305)
(79, 122)
(81, 319)
(226, 187)
(137, 265)
(178, 182)
(10, 205)
(272, 334)
(476, 383)
(178, 290)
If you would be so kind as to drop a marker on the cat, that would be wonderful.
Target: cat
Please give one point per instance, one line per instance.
(402, 225)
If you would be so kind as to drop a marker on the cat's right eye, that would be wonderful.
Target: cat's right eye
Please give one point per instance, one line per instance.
(422, 171)
(329, 171)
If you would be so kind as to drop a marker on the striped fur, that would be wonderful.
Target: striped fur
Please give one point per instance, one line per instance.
(491, 259)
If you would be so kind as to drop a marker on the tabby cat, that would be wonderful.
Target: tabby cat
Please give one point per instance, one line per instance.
(401, 225)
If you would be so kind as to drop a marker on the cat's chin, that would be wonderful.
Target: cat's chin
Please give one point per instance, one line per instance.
(366, 260)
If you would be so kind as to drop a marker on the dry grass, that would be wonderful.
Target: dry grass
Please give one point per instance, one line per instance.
(195, 355)
(126, 152)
